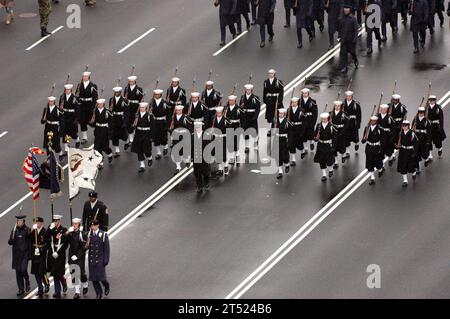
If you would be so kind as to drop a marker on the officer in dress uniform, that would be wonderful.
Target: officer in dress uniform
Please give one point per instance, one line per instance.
(196, 110)
(51, 117)
(283, 126)
(326, 136)
(370, 31)
(161, 112)
(211, 98)
(303, 10)
(98, 246)
(418, 11)
(340, 123)
(219, 127)
(407, 154)
(389, 12)
(76, 240)
(334, 10)
(179, 127)
(227, 9)
(100, 121)
(56, 254)
(38, 237)
(318, 15)
(288, 6)
(374, 137)
(349, 35)
(118, 107)
(199, 141)
(134, 95)
(387, 123)
(175, 95)
(87, 93)
(398, 112)
(436, 117)
(69, 106)
(142, 144)
(295, 117)
(251, 106)
(273, 91)
(21, 244)
(422, 128)
(266, 16)
(242, 8)
(309, 108)
(234, 113)
(353, 110)
(95, 209)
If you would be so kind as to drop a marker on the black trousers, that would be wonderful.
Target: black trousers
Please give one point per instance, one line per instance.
(238, 21)
(288, 15)
(22, 278)
(347, 48)
(226, 20)
(299, 33)
(201, 173)
(370, 31)
(98, 288)
(416, 34)
(262, 27)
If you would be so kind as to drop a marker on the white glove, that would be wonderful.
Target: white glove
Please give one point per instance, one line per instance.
(35, 226)
(81, 228)
(52, 225)
(70, 229)
(55, 255)
(74, 258)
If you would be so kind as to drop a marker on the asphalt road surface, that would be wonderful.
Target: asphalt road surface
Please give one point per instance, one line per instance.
(221, 243)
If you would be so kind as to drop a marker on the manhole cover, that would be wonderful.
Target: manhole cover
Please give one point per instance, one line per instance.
(28, 15)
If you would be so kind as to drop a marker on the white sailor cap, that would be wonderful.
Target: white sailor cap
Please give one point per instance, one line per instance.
(337, 103)
(143, 104)
(86, 73)
(384, 106)
(68, 86)
(179, 107)
(158, 91)
(175, 79)
(348, 93)
(132, 78)
(57, 217)
(406, 122)
(117, 89)
(198, 124)
(421, 109)
(432, 97)
(76, 220)
(219, 109)
(295, 99)
(324, 115)
(101, 101)
(249, 86)
(271, 71)
(51, 98)
(396, 96)
(282, 110)
(305, 90)
(195, 94)
(374, 118)
(209, 82)
(232, 97)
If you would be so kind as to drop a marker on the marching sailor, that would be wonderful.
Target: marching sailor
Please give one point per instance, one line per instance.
(340, 122)
(295, 117)
(161, 112)
(219, 127)
(234, 114)
(422, 128)
(76, 240)
(196, 110)
(309, 108)
(436, 117)
(407, 154)
(211, 99)
(118, 106)
(251, 106)
(175, 94)
(95, 209)
(199, 141)
(272, 94)
(179, 127)
(87, 93)
(386, 122)
(398, 112)
(38, 237)
(100, 122)
(326, 137)
(283, 126)
(374, 138)
(134, 95)
(51, 118)
(70, 109)
(142, 144)
(353, 110)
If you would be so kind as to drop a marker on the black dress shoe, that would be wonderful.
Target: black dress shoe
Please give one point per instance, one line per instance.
(253, 22)
(279, 175)
(343, 160)
(262, 45)
(126, 146)
(302, 155)
(427, 162)
(83, 141)
(269, 133)
(76, 296)
(300, 45)
(356, 147)
(116, 155)
(107, 290)
(356, 64)
(226, 170)
(247, 150)
(369, 51)
(98, 297)
(110, 159)
(380, 173)
(219, 173)
(287, 26)
(383, 39)
(56, 296)
(321, 28)
(46, 288)
(330, 173)
(40, 294)
(234, 36)
(85, 290)
(165, 151)
(286, 169)
(323, 179)
(391, 161)
(440, 153)
(404, 184)
(77, 144)
(150, 162)
(311, 37)
(311, 147)
(27, 287)
(417, 172)
(206, 187)
(270, 38)
(199, 190)
(335, 165)
(158, 157)
(292, 163)
(20, 293)
(222, 43)
(177, 171)
(414, 177)
(141, 170)
(371, 182)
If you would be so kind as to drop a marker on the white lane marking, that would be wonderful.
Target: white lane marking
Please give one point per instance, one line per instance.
(141, 208)
(230, 43)
(44, 38)
(3, 134)
(295, 239)
(134, 41)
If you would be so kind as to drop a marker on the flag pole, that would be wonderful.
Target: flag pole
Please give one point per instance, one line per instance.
(70, 208)
(50, 137)
(34, 217)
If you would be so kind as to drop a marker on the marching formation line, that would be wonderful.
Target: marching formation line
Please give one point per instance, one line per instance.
(136, 40)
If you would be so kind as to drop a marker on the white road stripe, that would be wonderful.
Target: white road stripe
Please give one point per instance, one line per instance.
(133, 42)
(3, 134)
(295, 239)
(230, 43)
(44, 38)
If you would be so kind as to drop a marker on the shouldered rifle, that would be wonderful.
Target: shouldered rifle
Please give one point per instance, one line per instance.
(170, 84)
(44, 116)
(77, 91)
(317, 137)
(415, 116)
(100, 97)
(366, 131)
(427, 103)
(190, 102)
(227, 106)
(64, 90)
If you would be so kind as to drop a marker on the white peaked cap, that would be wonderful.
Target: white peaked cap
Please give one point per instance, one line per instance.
(324, 115)
(198, 123)
(101, 101)
(374, 118)
(282, 110)
(145, 104)
(195, 94)
(51, 98)
(179, 107)
(337, 102)
(384, 106)
(295, 99)
(158, 91)
(219, 109)
(68, 86)
(272, 71)
(405, 122)
(132, 78)
(421, 109)
(249, 86)
(175, 79)
(117, 89)
(432, 97)
(305, 90)
(349, 93)
(209, 82)
(76, 220)
(57, 217)
(86, 73)
(232, 97)
(396, 96)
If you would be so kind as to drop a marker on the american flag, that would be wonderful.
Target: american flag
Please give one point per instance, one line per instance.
(31, 170)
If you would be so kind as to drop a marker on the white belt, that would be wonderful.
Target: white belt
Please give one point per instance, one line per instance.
(140, 128)
(69, 110)
(326, 141)
(133, 101)
(398, 119)
(212, 108)
(373, 144)
(421, 131)
(250, 110)
(308, 113)
(352, 117)
(272, 94)
(297, 123)
(101, 124)
(407, 147)
(85, 99)
(52, 122)
(181, 129)
(235, 121)
(282, 135)
(435, 122)
(161, 118)
(198, 119)
(339, 126)
(118, 113)
(220, 135)
(386, 129)
(173, 102)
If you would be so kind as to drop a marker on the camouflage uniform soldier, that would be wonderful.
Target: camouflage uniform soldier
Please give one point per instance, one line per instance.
(9, 6)
(45, 8)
